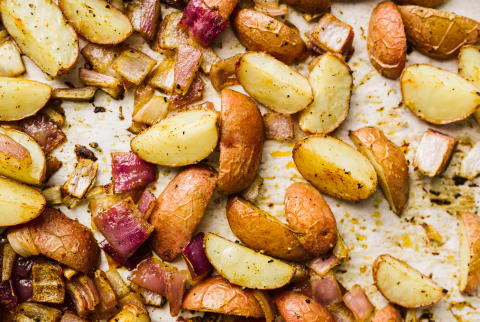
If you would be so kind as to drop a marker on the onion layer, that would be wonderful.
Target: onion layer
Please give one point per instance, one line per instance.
(195, 258)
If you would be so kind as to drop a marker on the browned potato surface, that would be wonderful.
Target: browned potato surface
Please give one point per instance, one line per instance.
(332, 34)
(469, 251)
(387, 314)
(241, 142)
(423, 3)
(296, 307)
(310, 6)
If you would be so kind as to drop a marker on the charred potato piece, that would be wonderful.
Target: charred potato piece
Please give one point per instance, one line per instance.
(333, 35)
(296, 307)
(434, 153)
(310, 6)
(469, 251)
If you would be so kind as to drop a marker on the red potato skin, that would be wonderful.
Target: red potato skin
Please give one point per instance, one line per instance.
(12, 148)
(310, 6)
(296, 307)
(179, 209)
(388, 314)
(472, 227)
(224, 7)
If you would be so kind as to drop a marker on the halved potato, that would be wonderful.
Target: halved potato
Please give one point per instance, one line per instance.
(335, 168)
(331, 80)
(97, 20)
(15, 104)
(469, 68)
(29, 169)
(184, 138)
(274, 84)
(19, 203)
(403, 285)
(296, 307)
(430, 93)
(469, 251)
(41, 32)
(244, 267)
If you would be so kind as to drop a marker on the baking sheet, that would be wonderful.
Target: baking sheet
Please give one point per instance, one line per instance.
(369, 228)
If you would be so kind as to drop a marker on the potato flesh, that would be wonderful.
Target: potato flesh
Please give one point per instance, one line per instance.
(331, 83)
(469, 68)
(244, 267)
(430, 93)
(469, 251)
(11, 63)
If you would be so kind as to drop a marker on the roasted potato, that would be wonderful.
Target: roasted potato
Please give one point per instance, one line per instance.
(274, 84)
(389, 163)
(430, 92)
(179, 136)
(214, 294)
(387, 314)
(469, 251)
(333, 35)
(469, 68)
(437, 33)
(403, 285)
(335, 168)
(310, 6)
(41, 32)
(97, 20)
(261, 231)
(259, 32)
(331, 81)
(423, 3)
(241, 142)
(296, 307)
(310, 218)
(179, 209)
(386, 42)
(244, 267)
(434, 153)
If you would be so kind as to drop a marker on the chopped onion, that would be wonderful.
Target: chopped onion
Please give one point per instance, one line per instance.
(326, 290)
(186, 66)
(194, 94)
(39, 312)
(48, 286)
(170, 35)
(83, 294)
(271, 7)
(322, 265)
(53, 195)
(11, 63)
(146, 203)
(155, 110)
(92, 78)
(266, 304)
(151, 298)
(150, 16)
(116, 281)
(108, 299)
(21, 241)
(82, 178)
(222, 74)
(134, 14)
(132, 298)
(357, 301)
(143, 252)
(44, 131)
(130, 172)
(162, 77)
(7, 262)
(81, 94)
(195, 258)
(133, 65)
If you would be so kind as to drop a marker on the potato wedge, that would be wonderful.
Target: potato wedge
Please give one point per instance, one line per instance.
(469, 68)
(403, 285)
(296, 307)
(261, 231)
(335, 168)
(469, 251)
(389, 163)
(430, 92)
(434, 153)
(423, 3)
(244, 267)
(332, 81)
(97, 20)
(26, 161)
(437, 33)
(241, 142)
(19, 203)
(214, 294)
(387, 314)
(273, 84)
(179, 136)
(11, 63)
(41, 32)
(310, 6)
(14, 104)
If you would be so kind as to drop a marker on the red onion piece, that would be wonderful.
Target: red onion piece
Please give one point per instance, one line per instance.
(143, 252)
(322, 265)
(150, 17)
(146, 203)
(357, 301)
(195, 258)
(130, 172)
(43, 130)
(24, 289)
(92, 78)
(22, 278)
(326, 290)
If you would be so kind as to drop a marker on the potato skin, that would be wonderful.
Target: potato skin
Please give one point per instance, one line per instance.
(260, 231)
(179, 209)
(471, 222)
(241, 142)
(387, 42)
(296, 307)
(259, 32)
(388, 314)
(423, 3)
(65, 240)
(309, 215)
(214, 294)
(310, 6)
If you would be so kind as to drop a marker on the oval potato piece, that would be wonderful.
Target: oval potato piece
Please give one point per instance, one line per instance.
(19, 203)
(430, 92)
(311, 218)
(296, 307)
(310, 6)
(469, 251)
(174, 141)
(241, 142)
(261, 231)
(97, 20)
(437, 33)
(259, 32)
(386, 41)
(244, 267)
(403, 285)
(423, 3)
(387, 314)
(389, 163)
(331, 81)
(469, 68)
(335, 168)
(41, 32)
(14, 104)
(273, 84)
(214, 294)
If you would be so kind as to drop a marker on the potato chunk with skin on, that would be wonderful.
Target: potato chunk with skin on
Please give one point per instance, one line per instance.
(333, 35)
(296, 307)
(469, 251)
(434, 153)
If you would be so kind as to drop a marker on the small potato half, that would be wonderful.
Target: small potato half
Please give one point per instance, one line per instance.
(335, 168)
(389, 163)
(241, 142)
(469, 68)
(296, 307)
(469, 251)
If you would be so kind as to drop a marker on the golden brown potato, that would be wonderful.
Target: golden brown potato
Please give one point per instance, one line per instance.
(179, 209)
(214, 294)
(261, 231)
(423, 3)
(388, 314)
(310, 6)
(311, 218)
(437, 33)
(296, 307)
(386, 42)
(469, 251)
(259, 32)
(389, 163)
(241, 142)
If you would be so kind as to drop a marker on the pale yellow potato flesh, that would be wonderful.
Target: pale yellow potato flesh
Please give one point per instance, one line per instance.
(469, 251)
(273, 83)
(469, 68)
(11, 63)
(244, 267)
(430, 92)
